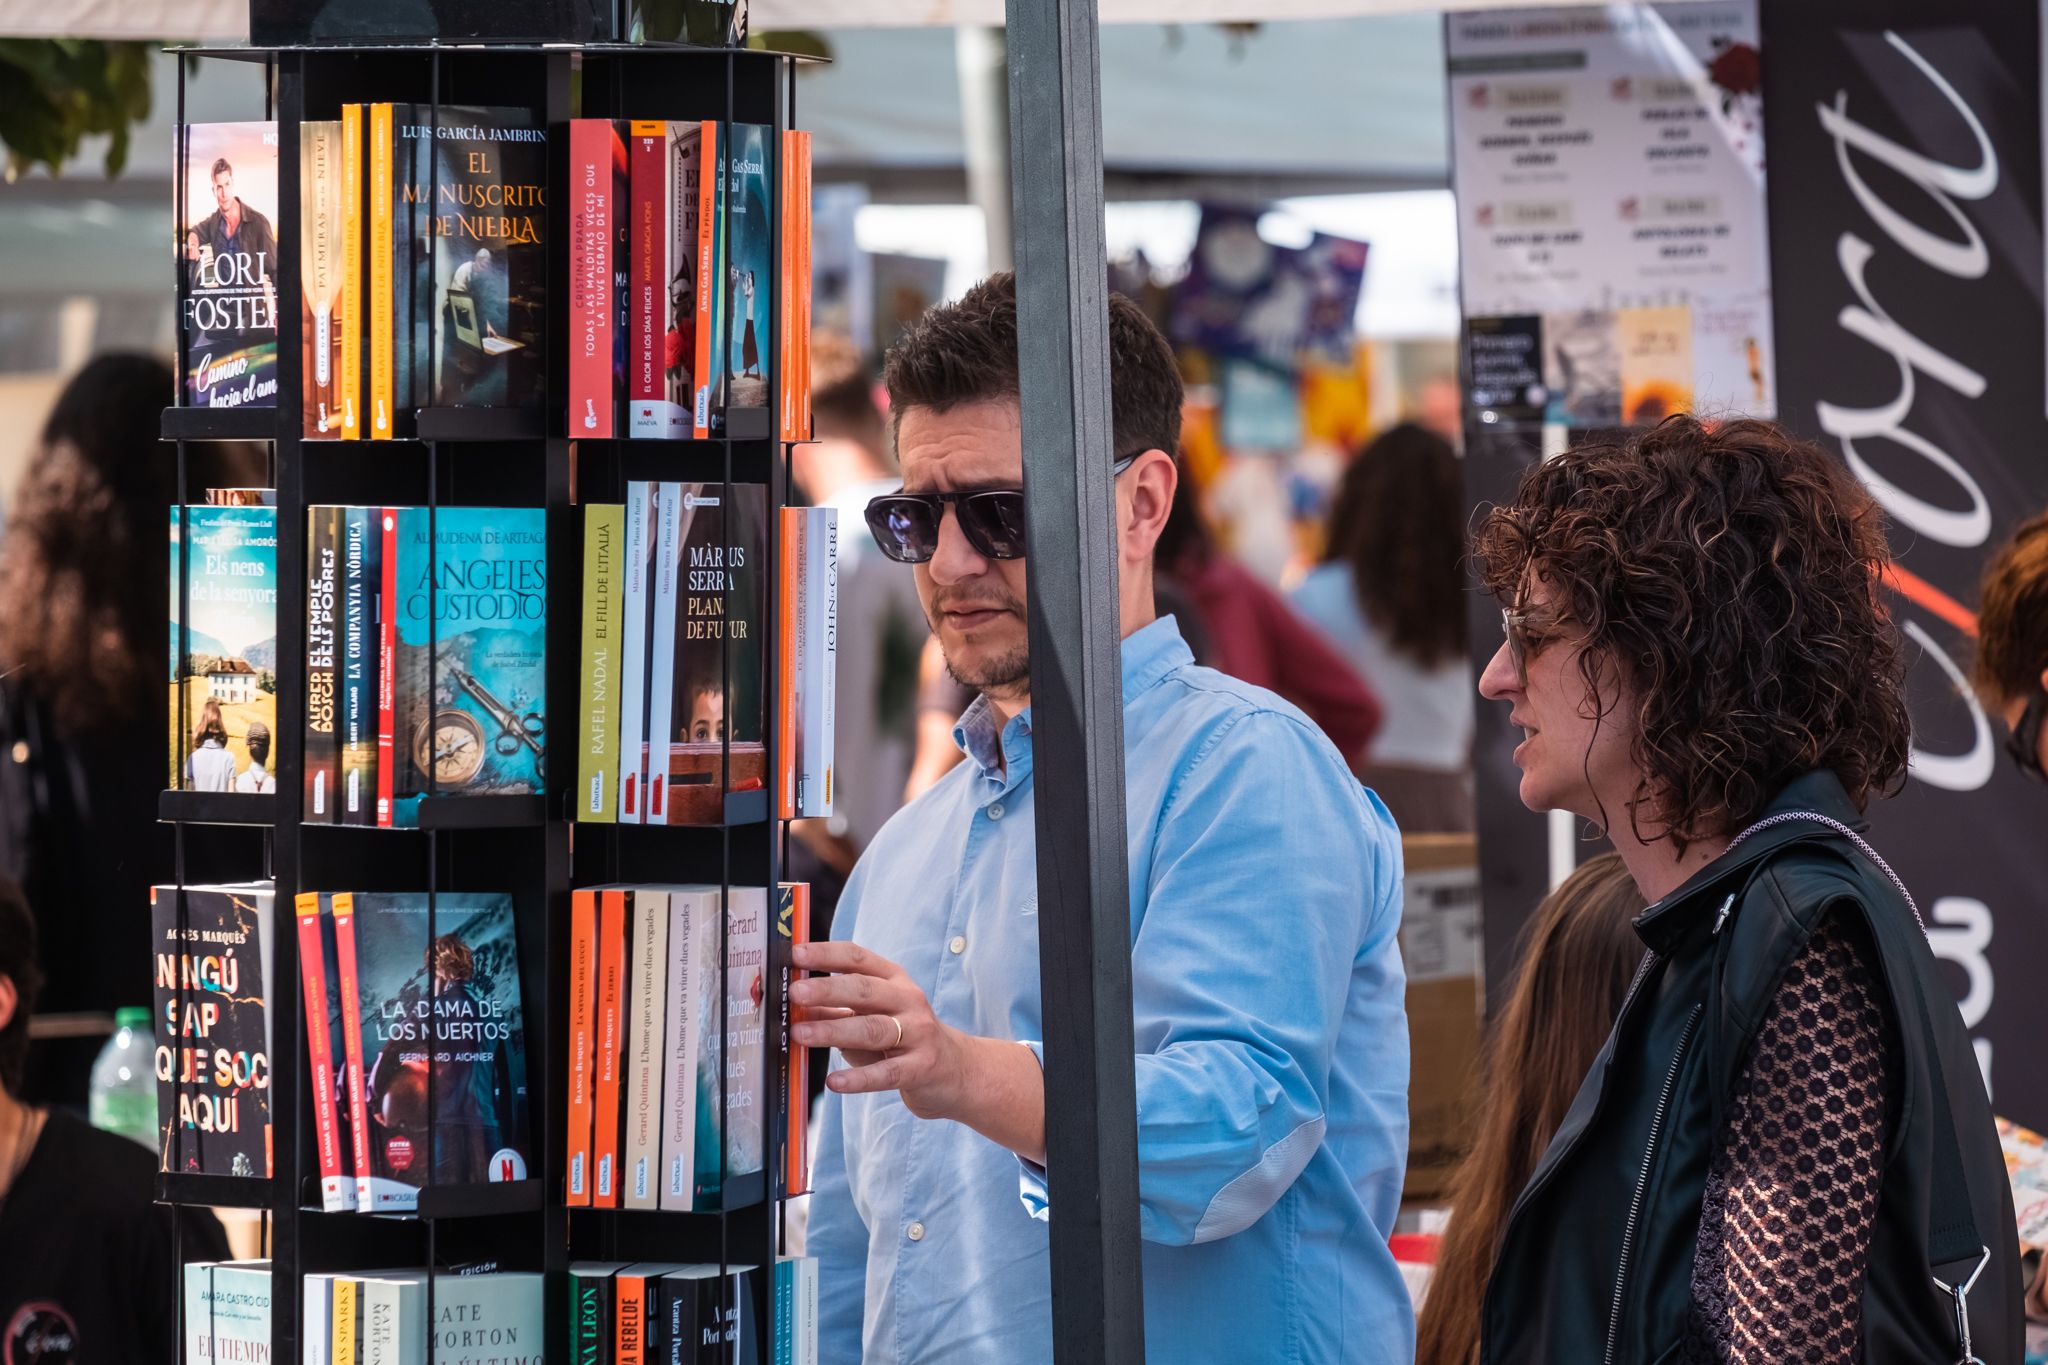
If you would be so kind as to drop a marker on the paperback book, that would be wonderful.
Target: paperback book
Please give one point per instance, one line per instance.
(227, 1313)
(751, 263)
(212, 953)
(715, 671)
(324, 314)
(227, 248)
(454, 997)
(470, 687)
(223, 686)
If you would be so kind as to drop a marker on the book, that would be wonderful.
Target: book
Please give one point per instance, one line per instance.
(321, 316)
(732, 1050)
(227, 247)
(710, 292)
(664, 216)
(592, 409)
(793, 927)
(342, 1319)
(485, 303)
(750, 264)
(387, 663)
(491, 1319)
(821, 655)
(337, 1185)
(350, 308)
(790, 605)
(582, 1032)
(713, 1312)
(648, 988)
(719, 693)
(361, 579)
(381, 284)
(795, 1305)
(458, 995)
(636, 623)
(212, 953)
(348, 1001)
(241, 497)
(223, 697)
(316, 1328)
(608, 1045)
(592, 1286)
(661, 646)
(690, 910)
(805, 291)
(597, 784)
(227, 1314)
(2026, 1165)
(469, 636)
(392, 1308)
(622, 279)
(322, 755)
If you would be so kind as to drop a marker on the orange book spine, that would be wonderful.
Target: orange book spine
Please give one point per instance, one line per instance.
(629, 1337)
(803, 290)
(320, 1056)
(707, 266)
(582, 1022)
(382, 249)
(605, 1047)
(350, 311)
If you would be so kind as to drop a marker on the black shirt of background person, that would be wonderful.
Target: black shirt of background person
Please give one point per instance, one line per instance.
(85, 1254)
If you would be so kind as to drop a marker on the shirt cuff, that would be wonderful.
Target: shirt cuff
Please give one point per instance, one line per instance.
(1031, 1182)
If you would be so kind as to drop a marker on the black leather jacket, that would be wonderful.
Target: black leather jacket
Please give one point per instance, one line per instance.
(1595, 1265)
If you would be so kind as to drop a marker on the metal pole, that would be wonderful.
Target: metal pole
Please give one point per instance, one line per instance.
(1076, 682)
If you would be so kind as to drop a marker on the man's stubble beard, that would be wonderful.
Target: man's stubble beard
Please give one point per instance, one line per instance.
(1005, 677)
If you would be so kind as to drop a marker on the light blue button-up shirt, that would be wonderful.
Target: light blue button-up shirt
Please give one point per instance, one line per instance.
(1272, 1048)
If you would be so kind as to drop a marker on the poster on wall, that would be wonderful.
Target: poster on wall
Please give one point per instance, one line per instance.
(1609, 165)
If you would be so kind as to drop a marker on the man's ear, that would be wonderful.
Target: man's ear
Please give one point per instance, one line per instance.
(10, 1000)
(1151, 482)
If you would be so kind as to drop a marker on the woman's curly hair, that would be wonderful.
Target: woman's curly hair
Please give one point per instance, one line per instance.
(1729, 576)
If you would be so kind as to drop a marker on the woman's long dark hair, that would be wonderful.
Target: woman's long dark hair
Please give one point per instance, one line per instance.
(1577, 955)
(1399, 521)
(84, 576)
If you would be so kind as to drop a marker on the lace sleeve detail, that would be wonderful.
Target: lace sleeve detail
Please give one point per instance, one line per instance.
(1792, 1191)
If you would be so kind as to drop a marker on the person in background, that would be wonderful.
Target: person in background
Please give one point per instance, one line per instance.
(1784, 1150)
(1573, 967)
(1440, 408)
(1254, 636)
(881, 626)
(1271, 1064)
(88, 1274)
(2011, 673)
(1390, 596)
(85, 725)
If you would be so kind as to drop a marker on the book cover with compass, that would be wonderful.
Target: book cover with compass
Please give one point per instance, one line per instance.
(473, 609)
(453, 997)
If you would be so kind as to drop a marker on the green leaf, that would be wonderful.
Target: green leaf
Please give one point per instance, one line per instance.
(56, 92)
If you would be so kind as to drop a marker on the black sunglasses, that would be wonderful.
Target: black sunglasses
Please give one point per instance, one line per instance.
(906, 525)
(2023, 745)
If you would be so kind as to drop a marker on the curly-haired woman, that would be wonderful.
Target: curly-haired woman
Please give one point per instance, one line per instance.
(1784, 1150)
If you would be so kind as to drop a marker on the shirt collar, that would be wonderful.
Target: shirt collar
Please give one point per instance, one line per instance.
(1149, 654)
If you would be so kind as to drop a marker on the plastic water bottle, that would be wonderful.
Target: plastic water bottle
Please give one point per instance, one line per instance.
(122, 1098)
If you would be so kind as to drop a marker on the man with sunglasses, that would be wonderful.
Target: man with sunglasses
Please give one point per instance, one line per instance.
(2012, 643)
(1272, 1062)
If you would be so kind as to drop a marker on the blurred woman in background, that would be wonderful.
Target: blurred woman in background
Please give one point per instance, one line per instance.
(1575, 959)
(1390, 597)
(85, 726)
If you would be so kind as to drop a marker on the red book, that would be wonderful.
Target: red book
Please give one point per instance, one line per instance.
(337, 1191)
(647, 347)
(387, 665)
(629, 1335)
(607, 1043)
(352, 1042)
(582, 1024)
(590, 277)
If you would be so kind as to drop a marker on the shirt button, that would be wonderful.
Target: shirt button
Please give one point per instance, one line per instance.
(958, 945)
(995, 812)
(916, 1232)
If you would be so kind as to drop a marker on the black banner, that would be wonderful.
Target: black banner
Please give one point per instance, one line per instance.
(1904, 163)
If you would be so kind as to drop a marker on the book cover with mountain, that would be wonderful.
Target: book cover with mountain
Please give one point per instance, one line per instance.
(471, 682)
(223, 685)
(211, 960)
(470, 237)
(750, 264)
(718, 692)
(455, 997)
(227, 248)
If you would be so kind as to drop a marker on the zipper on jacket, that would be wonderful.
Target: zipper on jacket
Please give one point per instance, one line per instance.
(1635, 1204)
